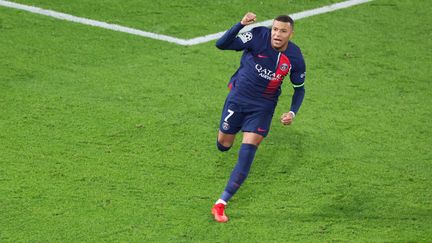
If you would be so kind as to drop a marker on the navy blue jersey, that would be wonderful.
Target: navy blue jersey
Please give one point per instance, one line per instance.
(256, 85)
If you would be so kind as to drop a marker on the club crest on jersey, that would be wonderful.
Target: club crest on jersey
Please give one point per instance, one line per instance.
(284, 67)
(245, 37)
(225, 126)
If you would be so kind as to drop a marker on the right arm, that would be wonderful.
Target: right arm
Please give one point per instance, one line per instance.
(230, 41)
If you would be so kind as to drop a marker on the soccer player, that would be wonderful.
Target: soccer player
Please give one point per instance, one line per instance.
(268, 56)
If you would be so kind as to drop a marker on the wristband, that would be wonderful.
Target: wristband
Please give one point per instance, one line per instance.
(293, 114)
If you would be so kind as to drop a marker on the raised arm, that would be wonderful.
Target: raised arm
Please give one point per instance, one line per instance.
(230, 41)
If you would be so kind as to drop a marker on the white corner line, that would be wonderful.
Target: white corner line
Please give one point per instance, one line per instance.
(91, 22)
(295, 16)
(184, 42)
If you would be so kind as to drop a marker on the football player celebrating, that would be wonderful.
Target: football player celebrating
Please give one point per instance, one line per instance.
(268, 56)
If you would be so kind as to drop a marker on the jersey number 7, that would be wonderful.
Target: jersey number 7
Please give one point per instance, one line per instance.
(231, 112)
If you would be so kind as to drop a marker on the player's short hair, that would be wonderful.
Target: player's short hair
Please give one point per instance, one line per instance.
(285, 19)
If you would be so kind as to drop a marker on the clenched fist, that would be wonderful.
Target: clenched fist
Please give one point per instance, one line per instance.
(249, 18)
(287, 118)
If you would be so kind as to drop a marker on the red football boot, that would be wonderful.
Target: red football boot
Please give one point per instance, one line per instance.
(218, 211)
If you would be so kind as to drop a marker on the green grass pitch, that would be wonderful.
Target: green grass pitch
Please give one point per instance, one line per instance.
(106, 136)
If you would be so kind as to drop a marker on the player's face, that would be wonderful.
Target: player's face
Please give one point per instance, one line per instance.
(280, 35)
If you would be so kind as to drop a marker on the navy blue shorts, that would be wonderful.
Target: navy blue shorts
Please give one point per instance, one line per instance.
(233, 119)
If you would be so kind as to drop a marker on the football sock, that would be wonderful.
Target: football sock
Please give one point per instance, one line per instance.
(240, 171)
(221, 147)
(221, 201)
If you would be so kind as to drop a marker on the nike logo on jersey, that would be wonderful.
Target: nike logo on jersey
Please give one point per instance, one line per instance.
(261, 130)
(262, 56)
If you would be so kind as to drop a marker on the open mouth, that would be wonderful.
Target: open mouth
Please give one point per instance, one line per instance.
(276, 40)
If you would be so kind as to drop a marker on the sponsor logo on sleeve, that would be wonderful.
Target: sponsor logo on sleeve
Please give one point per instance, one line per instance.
(245, 37)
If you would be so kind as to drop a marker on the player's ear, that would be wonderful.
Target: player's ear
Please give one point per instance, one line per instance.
(291, 35)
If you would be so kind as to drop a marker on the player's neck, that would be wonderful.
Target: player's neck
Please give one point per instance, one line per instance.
(281, 49)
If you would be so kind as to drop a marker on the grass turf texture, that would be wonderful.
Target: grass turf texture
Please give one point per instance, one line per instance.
(181, 18)
(109, 136)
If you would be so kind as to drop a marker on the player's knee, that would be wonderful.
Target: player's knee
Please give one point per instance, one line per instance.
(221, 147)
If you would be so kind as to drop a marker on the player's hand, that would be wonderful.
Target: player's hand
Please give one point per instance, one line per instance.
(249, 18)
(287, 118)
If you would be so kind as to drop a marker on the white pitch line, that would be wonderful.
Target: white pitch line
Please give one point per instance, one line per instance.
(184, 42)
(91, 22)
(295, 16)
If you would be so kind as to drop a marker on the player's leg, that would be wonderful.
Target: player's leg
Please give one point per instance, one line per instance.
(231, 122)
(239, 173)
(241, 170)
(255, 126)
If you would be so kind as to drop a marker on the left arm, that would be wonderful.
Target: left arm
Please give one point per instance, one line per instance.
(297, 79)
(297, 98)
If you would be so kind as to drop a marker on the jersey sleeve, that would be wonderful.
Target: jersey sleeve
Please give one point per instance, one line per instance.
(297, 76)
(231, 40)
